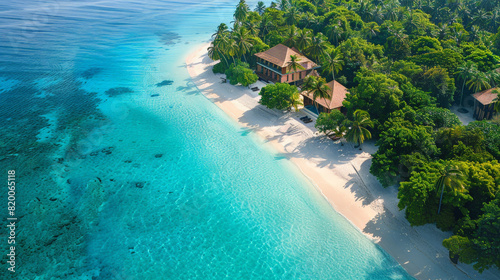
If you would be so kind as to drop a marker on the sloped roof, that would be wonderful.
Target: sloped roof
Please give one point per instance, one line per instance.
(485, 97)
(280, 55)
(338, 96)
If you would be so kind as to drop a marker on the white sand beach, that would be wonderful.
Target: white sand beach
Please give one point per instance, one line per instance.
(341, 173)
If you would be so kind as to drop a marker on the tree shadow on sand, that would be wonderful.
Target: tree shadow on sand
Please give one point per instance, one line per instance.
(205, 61)
(325, 152)
(390, 230)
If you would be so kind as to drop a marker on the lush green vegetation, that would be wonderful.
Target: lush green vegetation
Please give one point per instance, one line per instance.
(405, 63)
(280, 96)
(240, 73)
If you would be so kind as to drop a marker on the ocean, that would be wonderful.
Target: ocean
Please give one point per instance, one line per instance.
(124, 170)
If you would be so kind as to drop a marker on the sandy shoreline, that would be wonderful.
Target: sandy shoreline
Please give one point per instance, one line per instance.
(341, 173)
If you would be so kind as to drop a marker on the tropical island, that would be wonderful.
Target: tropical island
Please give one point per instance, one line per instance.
(390, 71)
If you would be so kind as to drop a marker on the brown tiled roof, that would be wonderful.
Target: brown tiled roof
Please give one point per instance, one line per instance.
(485, 97)
(336, 98)
(280, 55)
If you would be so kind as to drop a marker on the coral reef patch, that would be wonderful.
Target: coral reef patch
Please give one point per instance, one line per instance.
(118, 91)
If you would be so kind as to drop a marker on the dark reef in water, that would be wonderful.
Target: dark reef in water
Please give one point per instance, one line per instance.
(169, 38)
(48, 198)
(165, 83)
(118, 91)
(91, 72)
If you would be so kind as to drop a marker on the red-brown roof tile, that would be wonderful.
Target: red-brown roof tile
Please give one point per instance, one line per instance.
(485, 97)
(280, 55)
(338, 96)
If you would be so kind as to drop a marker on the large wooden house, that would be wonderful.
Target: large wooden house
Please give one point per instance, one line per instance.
(274, 65)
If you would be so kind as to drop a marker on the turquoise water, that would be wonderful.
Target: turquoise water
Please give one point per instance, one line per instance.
(125, 171)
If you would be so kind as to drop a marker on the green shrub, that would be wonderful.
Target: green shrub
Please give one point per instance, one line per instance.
(280, 96)
(219, 68)
(240, 73)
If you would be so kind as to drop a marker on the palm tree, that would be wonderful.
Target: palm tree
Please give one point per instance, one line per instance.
(290, 36)
(458, 35)
(266, 24)
(231, 48)
(451, 177)
(465, 72)
(474, 33)
(334, 33)
(295, 100)
(292, 16)
(261, 8)
(308, 20)
(317, 47)
(481, 17)
(478, 81)
(494, 20)
(294, 64)
(221, 31)
(216, 52)
(442, 31)
(371, 29)
(243, 41)
(364, 10)
(357, 129)
(283, 4)
(391, 10)
(411, 23)
(252, 27)
(303, 39)
(318, 87)
(241, 12)
(493, 77)
(377, 14)
(333, 62)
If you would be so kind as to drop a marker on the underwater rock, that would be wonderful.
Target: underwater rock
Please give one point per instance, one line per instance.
(165, 83)
(60, 160)
(93, 154)
(169, 38)
(158, 155)
(108, 150)
(118, 91)
(139, 185)
(52, 199)
(91, 72)
(127, 161)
